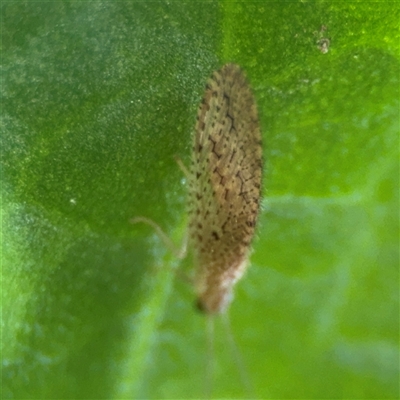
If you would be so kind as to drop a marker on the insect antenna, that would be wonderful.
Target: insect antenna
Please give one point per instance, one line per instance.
(238, 357)
(210, 362)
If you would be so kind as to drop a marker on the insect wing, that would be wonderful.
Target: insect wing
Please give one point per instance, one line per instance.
(226, 178)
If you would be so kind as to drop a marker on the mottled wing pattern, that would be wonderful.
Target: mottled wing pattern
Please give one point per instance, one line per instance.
(224, 186)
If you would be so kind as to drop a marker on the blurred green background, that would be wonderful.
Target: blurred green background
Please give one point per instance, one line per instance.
(97, 99)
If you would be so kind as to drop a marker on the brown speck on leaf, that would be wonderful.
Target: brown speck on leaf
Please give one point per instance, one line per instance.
(323, 45)
(322, 41)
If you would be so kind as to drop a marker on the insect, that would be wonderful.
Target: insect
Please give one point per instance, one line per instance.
(224, 195)
(224, 186)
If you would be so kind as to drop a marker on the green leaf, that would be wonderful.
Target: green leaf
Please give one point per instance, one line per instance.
(97, 99)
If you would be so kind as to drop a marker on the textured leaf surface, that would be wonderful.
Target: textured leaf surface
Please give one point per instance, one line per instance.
(97, 99)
